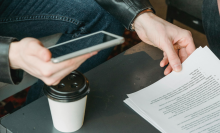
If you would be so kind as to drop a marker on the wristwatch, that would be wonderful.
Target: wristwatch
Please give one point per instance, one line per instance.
(144, 11)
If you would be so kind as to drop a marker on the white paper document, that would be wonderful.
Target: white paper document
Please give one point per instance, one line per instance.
(183, 102)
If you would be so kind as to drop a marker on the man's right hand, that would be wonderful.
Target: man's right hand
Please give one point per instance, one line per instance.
(30, 55)
(176, 43)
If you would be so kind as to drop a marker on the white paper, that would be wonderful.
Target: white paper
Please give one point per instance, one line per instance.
(183, 102)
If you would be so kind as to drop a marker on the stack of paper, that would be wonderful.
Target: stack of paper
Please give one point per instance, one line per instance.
(183, 102)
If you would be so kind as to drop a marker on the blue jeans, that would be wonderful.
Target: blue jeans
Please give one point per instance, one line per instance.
(211, 24)
(73, 18)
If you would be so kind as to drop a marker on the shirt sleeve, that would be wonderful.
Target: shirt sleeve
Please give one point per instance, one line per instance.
(125, 10)
(8, 75)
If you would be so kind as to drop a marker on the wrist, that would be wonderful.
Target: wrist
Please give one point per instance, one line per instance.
(13, 55)
(143, 13)
(143, 19)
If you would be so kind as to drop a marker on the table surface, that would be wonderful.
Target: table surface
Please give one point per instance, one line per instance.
(106, 112)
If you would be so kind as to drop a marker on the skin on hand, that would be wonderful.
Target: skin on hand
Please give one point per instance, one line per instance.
(30, 55)
(176, 43)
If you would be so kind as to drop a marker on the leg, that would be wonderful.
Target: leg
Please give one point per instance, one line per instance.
(74, 18)
(211, 24)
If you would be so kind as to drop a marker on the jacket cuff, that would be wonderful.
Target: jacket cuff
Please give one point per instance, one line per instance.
(8, 75)
(125, 10)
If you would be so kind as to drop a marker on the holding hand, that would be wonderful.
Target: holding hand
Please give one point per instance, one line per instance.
(30, 55)
(176, 43)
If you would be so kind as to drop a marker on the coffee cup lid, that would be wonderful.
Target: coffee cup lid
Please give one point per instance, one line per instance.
(71, 88)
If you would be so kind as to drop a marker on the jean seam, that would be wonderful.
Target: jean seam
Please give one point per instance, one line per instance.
(40, 17)
(82, 31)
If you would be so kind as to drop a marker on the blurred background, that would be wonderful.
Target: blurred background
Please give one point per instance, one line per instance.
(183, 13)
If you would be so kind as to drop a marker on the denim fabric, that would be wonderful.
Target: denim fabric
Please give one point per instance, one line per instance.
(211, 24)
(73, 18)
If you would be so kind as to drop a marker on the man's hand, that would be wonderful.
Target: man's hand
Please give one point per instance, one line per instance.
(176, 43)
(30, 55)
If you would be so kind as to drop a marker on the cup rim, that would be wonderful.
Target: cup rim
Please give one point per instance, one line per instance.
(60, 96)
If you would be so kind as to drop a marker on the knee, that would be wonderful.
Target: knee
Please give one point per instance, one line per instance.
(113, 25)
(92, 17)
(100, 19)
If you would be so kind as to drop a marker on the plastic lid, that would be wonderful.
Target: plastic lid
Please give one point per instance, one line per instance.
(72, 88)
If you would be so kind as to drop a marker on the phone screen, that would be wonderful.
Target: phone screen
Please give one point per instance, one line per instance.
(80, 44)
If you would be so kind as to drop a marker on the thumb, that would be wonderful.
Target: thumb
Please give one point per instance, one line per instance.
(38, 50)
(173, 58)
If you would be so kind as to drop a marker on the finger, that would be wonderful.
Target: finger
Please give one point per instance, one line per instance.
(187, 43)
(34, 66)
(190, 48)
(177, 46)
(35, 48)
(57, 77)
(172, 57)
(56, 83)
(50, 68)
(82, 58)
(164, 61)
(168, 70)
(183, 54)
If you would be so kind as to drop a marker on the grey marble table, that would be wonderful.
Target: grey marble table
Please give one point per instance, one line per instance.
(106, 112)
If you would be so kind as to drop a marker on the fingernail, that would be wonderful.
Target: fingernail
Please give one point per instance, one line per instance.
(177, 68)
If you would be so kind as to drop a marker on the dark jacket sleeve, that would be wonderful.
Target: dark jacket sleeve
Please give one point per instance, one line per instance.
(8, 75)
(125, 10)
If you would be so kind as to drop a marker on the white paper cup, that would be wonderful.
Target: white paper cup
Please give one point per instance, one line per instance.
(68, 117)
(67, 102)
